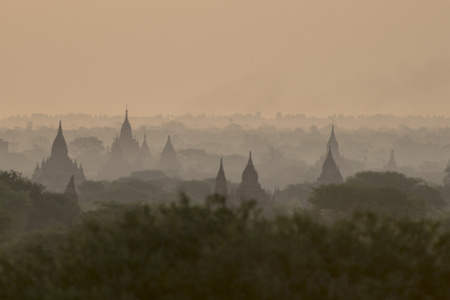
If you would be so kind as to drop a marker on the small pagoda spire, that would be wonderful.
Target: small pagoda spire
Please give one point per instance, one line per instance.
(168, 159)
(332, 142)
(70, 191)
(60, 132)
(330, 171)
(392, 164)
(221, 181)
(59, 146)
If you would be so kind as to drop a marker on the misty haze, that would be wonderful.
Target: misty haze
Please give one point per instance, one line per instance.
(235, 150)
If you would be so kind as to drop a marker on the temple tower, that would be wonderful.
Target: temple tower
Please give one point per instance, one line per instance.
(392, 164)
(168, 160)
(128, 144)
(221, 181)
(70, 191)
(333, 144)
(116, 166)
(250, 188)
(55, 171)
(330, 171)
(144, 158)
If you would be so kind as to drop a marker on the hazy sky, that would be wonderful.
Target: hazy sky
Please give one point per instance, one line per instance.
(316, 57)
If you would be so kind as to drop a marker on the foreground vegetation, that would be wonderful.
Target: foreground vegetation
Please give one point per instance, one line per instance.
(184, 251)
(188, 250)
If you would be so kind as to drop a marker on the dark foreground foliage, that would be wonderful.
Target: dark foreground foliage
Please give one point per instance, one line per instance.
(25, 206)
(385, 193)
(182, 251)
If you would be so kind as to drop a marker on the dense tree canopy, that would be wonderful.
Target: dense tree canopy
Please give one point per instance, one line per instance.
(25, 206)
(181, 251)
(387, 193)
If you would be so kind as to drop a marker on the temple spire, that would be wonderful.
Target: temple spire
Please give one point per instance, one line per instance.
(168, 160)
(330, 171)
(70, 191)
(221, 181)
(249, 187)
(333, 144)
(392, 164)
(59, 147)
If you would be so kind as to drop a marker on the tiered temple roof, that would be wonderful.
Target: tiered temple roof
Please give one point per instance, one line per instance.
(55, 171)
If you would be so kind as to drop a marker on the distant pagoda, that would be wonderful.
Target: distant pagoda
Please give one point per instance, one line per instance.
(330, 171)
(168, 161)
(125, 155)
(250, 188)
(70, 191)
(127, 142)
(144, 157)
(333, 144)
(56, 171)
(392, 164)
(221, 182)
(344, 165)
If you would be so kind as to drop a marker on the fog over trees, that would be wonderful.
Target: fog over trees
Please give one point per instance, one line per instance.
(289, 146)
(226, 207)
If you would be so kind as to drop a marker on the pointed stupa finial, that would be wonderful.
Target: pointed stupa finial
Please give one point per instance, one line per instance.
(221, 181)
(60, 128)
(70, 190)
(392, 164)
(250, 160)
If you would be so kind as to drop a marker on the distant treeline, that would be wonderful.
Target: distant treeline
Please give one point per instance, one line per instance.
(256, 120)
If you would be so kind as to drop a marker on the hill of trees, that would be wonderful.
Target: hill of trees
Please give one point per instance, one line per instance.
(170, 247)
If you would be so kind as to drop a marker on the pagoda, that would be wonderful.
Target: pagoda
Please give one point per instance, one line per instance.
(56, 171)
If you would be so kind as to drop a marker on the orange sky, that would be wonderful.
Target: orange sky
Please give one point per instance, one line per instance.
(316, 57)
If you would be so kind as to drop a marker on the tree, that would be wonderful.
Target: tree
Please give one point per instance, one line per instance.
(86, 146)
(342, 200)
(185, 251)
(414, 187)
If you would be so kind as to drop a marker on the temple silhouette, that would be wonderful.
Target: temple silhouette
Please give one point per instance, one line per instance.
(144, 157)
(221, 182)
(392, 164)
(346, 167)
(56, 171)
(168, 161)
(330, 171)
(127, 142)
(70, 191)
(125, 155)
(250, 188)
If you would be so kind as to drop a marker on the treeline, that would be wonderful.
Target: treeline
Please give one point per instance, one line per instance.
(247, 120)
(211, 251)
(142, 240)
(25, 207)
